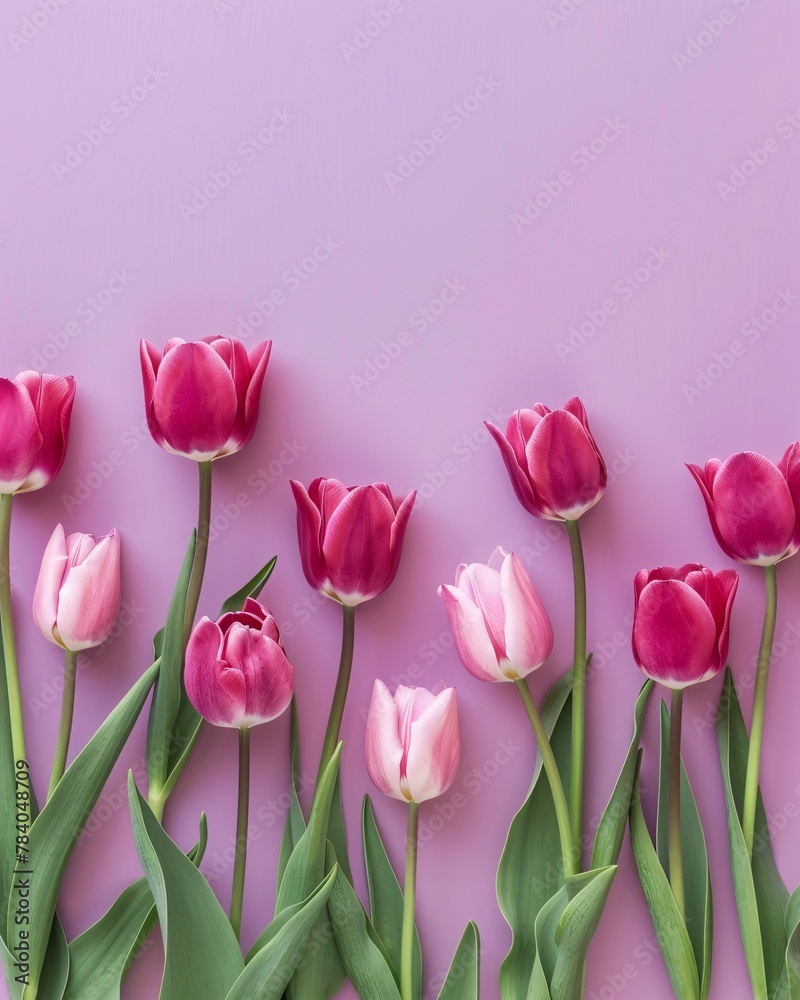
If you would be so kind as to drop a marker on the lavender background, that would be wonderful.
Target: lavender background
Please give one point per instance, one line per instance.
(508, 203)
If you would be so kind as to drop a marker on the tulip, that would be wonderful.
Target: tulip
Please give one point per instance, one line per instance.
(237, 676)
(35, 411)
(350, 538)
(555, 466)
(202, 398)
(753, 505)
(500, 628)
(682, 622)
(77, 597)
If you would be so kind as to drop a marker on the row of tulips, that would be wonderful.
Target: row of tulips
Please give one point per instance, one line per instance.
(231, 670)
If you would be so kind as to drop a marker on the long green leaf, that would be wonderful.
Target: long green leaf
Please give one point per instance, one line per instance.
(295, 825)
(790, 980)
(252, 588)
(202, 955)
(463, 980)
(8, 810)
(58, 826)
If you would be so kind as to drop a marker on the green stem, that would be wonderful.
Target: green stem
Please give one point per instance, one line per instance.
(759, 704)
(674, 833)
(65, 725)
(340, 693)
(237, 893)
(7, 622)
(201, 549)
(409, 901)
(568, 851)
(578, 687)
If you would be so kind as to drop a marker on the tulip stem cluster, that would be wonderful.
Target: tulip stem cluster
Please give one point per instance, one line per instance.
(759, 704)
(579, 685)
(242, 821)
(409, 902)
(340, 693)
(568, 851)
(7, 623)
(201, 549)
(65, 725)
(674, 831)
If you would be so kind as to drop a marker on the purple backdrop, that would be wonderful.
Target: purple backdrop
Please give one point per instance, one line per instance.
(439, 213)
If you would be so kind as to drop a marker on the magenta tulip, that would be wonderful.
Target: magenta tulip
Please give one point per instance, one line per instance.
(77, 597)
(555, 466)
(350, 537)
(202, 398)
(413, 746)
(35, 411)
(500, 628)
(682, 622)
(237, 674)
(753, 505)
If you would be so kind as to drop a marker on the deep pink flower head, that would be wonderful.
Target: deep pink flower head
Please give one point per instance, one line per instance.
(681, 622)
(500, 628)
(237, 674)
(350, 537)
(34, 428)
(202, 398)
(77, 598)
(555, 467)
(413, 745)
(753, 504)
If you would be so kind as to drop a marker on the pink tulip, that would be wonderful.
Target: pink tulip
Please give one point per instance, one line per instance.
(555, 467)
(500, 628)
(77, 597)
(202, 398)
(681, 622)
(34, 428)
(753, 505)
(413, 746)
(350, 537)
(237, 674)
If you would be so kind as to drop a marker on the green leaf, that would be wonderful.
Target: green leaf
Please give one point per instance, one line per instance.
(8, 810)
(386, 897)
(673, 938)
(359, 946)
(202, 955)
(277, 953)
(611, 829)
(58, 826)
(167, 696)
(531, 870)
(761, 897)
(252, 588)
(463, 980)
(295, 825)
(791, 976)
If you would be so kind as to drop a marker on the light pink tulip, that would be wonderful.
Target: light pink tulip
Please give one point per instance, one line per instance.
(202, 398)
(77, 598)
(500, 628)
(350, 538)
(237, 674)
(413, 745)
(35, 411)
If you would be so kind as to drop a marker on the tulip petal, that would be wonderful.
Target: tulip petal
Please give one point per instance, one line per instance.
(528, 632)
(519, 430)
(434, 750)
(675, 635)
(90, 595)
(789, 467)
(356, 545)
(563, 463)
(268, 675)
(202, 676)
(52, 397)
(257, 363)
(48, 584)
(20, 437)
(309, 536)
(384, 750)
(470, 636)
(519, 478)
(397, 534)
(481, 584)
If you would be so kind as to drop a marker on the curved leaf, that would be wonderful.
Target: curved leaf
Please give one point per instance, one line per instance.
(463, 980)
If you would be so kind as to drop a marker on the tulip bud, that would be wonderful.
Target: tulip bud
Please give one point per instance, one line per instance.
(237, 674)
(681, 622)
(500, 628)
(555, 467)
(35, 411)
(77, 597)
(350, 538)
(202, 398)
(753, 505)
(413, 746)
